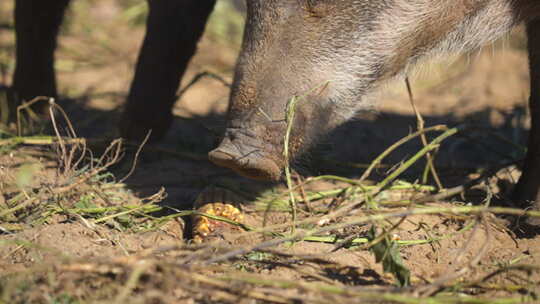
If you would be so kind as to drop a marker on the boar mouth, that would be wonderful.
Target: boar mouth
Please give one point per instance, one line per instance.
(247, 160)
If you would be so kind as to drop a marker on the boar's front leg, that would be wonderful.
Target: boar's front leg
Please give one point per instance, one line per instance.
(172, 31)
(527, 191)
(36, 28)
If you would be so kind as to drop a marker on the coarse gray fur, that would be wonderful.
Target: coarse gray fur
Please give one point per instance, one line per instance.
(354, 47)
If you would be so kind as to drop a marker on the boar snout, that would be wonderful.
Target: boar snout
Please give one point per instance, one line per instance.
(245, 155)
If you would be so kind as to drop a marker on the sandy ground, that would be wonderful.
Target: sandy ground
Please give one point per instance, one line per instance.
(486, 90)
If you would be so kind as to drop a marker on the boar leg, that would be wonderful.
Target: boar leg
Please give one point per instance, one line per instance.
(172, 32)
(36, 27)
(527, 191)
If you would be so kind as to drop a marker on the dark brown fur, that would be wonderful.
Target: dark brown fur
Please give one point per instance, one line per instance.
(172, 31)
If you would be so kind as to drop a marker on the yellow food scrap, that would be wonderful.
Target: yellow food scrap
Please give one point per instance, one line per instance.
(204, 226)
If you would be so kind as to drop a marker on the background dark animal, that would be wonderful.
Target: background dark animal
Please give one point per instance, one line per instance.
(172, 32)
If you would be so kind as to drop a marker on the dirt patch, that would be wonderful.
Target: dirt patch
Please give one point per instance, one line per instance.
(70, 233)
